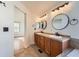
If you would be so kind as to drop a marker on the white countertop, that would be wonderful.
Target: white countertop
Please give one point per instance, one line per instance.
(59, 38)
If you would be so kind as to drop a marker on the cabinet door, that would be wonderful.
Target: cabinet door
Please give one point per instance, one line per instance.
(36, 38)
(47, 46)
(41, 42)
(56, 47)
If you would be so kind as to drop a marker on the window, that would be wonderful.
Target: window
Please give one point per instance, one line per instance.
(16, 27)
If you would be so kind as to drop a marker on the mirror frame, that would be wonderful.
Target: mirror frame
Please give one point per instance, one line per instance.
(41, 25)
(73, 20)
(44, 24)
(65, 25)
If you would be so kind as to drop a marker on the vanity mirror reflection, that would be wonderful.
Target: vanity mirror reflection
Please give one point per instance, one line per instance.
(40, 25)
(60, 21)
(36, 25)
(44, 24)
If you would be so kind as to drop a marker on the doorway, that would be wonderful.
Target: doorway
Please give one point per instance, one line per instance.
(19, 30)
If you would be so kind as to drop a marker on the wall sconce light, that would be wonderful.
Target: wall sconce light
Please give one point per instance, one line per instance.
(53, 10)
(2, 3)
(60, 6)
(66, 3)
(56, 8)
(43, 15)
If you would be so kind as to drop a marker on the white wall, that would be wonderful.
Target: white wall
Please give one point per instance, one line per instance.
(72, 11)
(6, 38)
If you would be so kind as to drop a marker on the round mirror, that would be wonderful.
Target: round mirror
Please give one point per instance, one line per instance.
(74, 21)
(40, 25)
(60, 21)
(43, 24)
(36, 25)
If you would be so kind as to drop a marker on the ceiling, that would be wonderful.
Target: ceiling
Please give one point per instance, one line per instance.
(37, 8)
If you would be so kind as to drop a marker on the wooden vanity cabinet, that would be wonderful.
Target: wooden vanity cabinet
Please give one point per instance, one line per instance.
(56, 47)
(39, 41)
(49, 45)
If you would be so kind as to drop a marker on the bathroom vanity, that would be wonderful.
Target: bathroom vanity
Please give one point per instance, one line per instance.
(51, 44)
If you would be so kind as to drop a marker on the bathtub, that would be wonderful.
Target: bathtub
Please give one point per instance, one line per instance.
(19, 43)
